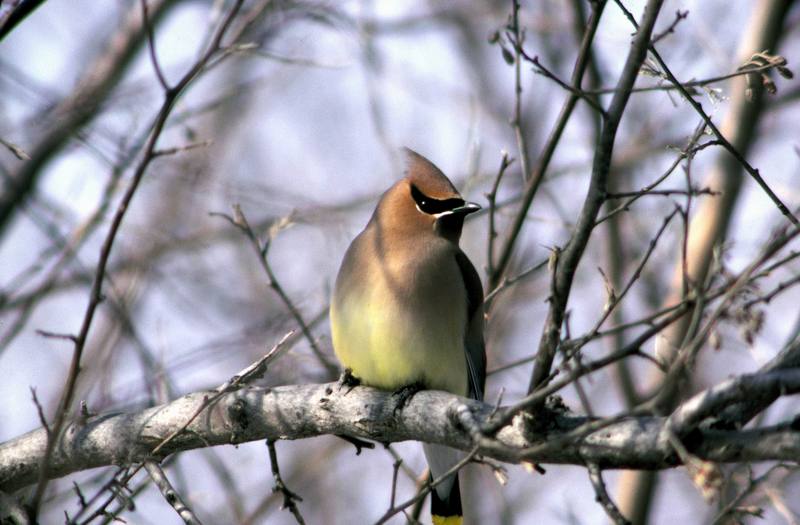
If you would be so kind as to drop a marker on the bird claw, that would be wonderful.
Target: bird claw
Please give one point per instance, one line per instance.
(404, 395)
(348, 380)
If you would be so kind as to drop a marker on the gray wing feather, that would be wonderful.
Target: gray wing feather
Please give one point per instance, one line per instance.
(473, 339)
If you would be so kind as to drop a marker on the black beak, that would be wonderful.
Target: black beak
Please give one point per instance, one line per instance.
(466, 209)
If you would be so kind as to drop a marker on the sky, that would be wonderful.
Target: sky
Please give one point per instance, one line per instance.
(311, 130)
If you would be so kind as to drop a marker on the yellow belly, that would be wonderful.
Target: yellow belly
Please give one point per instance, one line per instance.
(388, 344)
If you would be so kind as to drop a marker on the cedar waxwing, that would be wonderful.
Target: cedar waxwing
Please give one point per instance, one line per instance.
(407, 307)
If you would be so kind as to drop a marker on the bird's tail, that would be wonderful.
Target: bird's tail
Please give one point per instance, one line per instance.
(447, 511)
(445, 497)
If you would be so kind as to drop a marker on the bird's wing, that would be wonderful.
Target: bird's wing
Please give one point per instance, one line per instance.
(473, 339)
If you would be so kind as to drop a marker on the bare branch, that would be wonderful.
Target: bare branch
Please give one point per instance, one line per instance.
(151, 46)
(18, 152)
(426, 490)
(587, 97)
(289, 498)
(709, 403)
(517, 39)
(679, 17)
(71, 113)
(572, 253)
(691, 84)
(581, 63)
(19, 12)
(170, 97)
(505, 162)
(262, 250)
(300, 411)
(173, 498)
(754, 173)
(602, 497)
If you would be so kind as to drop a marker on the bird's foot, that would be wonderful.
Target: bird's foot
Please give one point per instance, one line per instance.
(404, 395)
(348, 380)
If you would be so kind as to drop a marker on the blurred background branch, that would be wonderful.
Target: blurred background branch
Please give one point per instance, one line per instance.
(680, 264)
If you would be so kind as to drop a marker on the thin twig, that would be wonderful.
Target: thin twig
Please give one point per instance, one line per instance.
(587, 97)
(170, 97)
(685, 214)
(116, 488)
(586, 403)
(18, 152)
(159, 477)
(753, 172)
(239, 380)
(505, 162)
(453, 470)
(517, 39)
(676, 310)
(692, 83)
(766, 298)
(55, 335)
(539, 396)
(582, 340)
(691, 192)
(73, 112)
(733, 508)
(289, 498)
(602, 497)
(262, 250)
(595, 198)
(696, 336)
(151, 47)
(395, 471)
(181, 149)
(691, 149)
(85, 505)
(535, 180)
(248, 374)
(679, 17)
(40, 412)
(509, 281)
(614, 300)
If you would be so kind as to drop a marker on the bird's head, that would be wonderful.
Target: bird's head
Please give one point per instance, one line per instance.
(423, 201)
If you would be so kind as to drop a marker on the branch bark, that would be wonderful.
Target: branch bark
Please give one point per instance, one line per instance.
(301, 411)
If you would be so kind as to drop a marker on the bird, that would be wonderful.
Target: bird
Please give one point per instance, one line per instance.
(407, 306)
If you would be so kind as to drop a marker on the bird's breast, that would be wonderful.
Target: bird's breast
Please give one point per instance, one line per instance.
(403, 320)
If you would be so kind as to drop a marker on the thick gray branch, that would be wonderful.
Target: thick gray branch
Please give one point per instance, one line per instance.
(567, 264)
(300, 411)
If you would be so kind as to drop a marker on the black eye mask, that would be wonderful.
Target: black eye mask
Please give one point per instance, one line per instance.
(434, 206)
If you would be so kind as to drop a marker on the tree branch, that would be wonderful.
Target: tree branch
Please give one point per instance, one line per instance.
(753, 172)
(301, 411)
(170, 495)
(81, 106)
(598, 187)
(581, 63)
(96, 296)
(602, 497)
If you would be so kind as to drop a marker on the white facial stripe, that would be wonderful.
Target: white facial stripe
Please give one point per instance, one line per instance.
(435, 215)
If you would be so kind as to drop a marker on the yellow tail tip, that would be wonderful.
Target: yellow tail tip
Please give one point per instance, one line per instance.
(447, 520)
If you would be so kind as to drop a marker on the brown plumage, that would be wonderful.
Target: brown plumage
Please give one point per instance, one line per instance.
(407, 305)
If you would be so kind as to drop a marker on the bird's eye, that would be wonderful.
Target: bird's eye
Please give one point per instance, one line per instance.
(433, 206)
